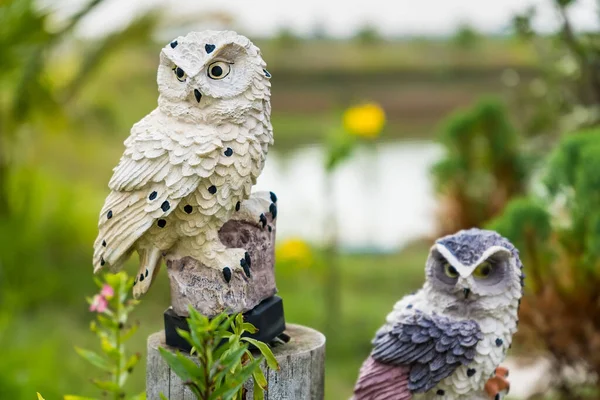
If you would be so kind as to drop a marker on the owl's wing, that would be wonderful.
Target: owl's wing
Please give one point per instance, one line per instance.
(431, 346)
(156, 171)
(378, 381)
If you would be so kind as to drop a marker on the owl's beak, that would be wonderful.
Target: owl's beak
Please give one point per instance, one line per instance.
(197, 95)
(466, 292)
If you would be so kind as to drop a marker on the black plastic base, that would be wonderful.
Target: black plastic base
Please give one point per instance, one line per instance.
(267, 317)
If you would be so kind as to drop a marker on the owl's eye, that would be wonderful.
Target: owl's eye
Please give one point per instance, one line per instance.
(450, 271)
(483, 270)
(179, 73)
(218, 70)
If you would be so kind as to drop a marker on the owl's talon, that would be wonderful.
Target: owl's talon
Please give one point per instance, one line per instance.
(245, 267)
(273, 197)
(227, 274)
(498, 384)
(263, 220)
(273, 210)
(248, 260)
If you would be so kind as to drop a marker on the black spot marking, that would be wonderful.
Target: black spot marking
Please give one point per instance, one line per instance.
(273, 210)
(141, 277)
(471, 372)
(270, 228)
(263, 220)
(227, 274)
(197, 95)
(161, 223)
(273, 197)
(146, 275)
(153, 195)
(102, 262)
(267, 73)
(188, 209)
(109, 214)
(409, 306)
(174, 44)
(499, 342)
(248, 259)
(104, 243)
(229, 152)
(212, 189)
(440, 392)
(237, 206)
(209, 48)
(245, 267)
(165, 206)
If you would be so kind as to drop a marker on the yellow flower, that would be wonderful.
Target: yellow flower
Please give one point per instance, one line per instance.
(364, 120)
(295, 251)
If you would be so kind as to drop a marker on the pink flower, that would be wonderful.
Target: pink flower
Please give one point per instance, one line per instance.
(107, 292)
(99, 304)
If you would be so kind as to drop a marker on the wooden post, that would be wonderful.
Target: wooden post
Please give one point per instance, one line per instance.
(301, 375)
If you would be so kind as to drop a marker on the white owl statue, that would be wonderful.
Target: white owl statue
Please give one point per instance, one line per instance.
(446, 341)
(188, 170)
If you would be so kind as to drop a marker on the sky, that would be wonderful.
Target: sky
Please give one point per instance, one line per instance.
(339, 18)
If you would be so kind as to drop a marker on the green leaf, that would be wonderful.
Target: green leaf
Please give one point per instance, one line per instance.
(132, 362)
(248, 327)
(40, 396)
(107, 322)
(72, 397)
(139, 396)
(265, 350)
(230, 388)
(94, 359)
(183, 367)
(259, 378)
(259, 392)
(106, 385)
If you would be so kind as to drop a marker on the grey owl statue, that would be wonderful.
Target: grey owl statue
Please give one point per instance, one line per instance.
(189, 165)
(447, 340)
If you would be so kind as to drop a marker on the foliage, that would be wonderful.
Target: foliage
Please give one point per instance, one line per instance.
(466, 37)
(224, 361)
(559, 238)
(483, 167)
(566, 94)
(112, 327)
(368, 35)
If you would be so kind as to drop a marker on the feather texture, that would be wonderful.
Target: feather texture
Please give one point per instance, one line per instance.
(190, 161)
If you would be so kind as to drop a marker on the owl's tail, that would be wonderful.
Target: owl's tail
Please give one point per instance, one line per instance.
(150, 261)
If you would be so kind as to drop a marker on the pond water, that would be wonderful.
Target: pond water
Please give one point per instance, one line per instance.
(381, 199)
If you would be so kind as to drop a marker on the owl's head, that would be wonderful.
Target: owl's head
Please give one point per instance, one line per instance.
(212, 75)
(475, 270)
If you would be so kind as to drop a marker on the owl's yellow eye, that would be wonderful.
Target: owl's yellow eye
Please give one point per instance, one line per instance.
(218, 70)
(179, 73)
(450, 271)
(483, 270)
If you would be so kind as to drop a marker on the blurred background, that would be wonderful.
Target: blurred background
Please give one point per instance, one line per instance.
(395, 122)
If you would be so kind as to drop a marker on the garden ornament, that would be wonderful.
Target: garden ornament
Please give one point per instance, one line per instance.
(446, 340)
(182, 189)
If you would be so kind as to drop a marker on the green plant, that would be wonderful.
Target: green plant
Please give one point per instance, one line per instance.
(224, 360)
(483, 168)
(565, 94)
(112, 326)
(559, 238)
